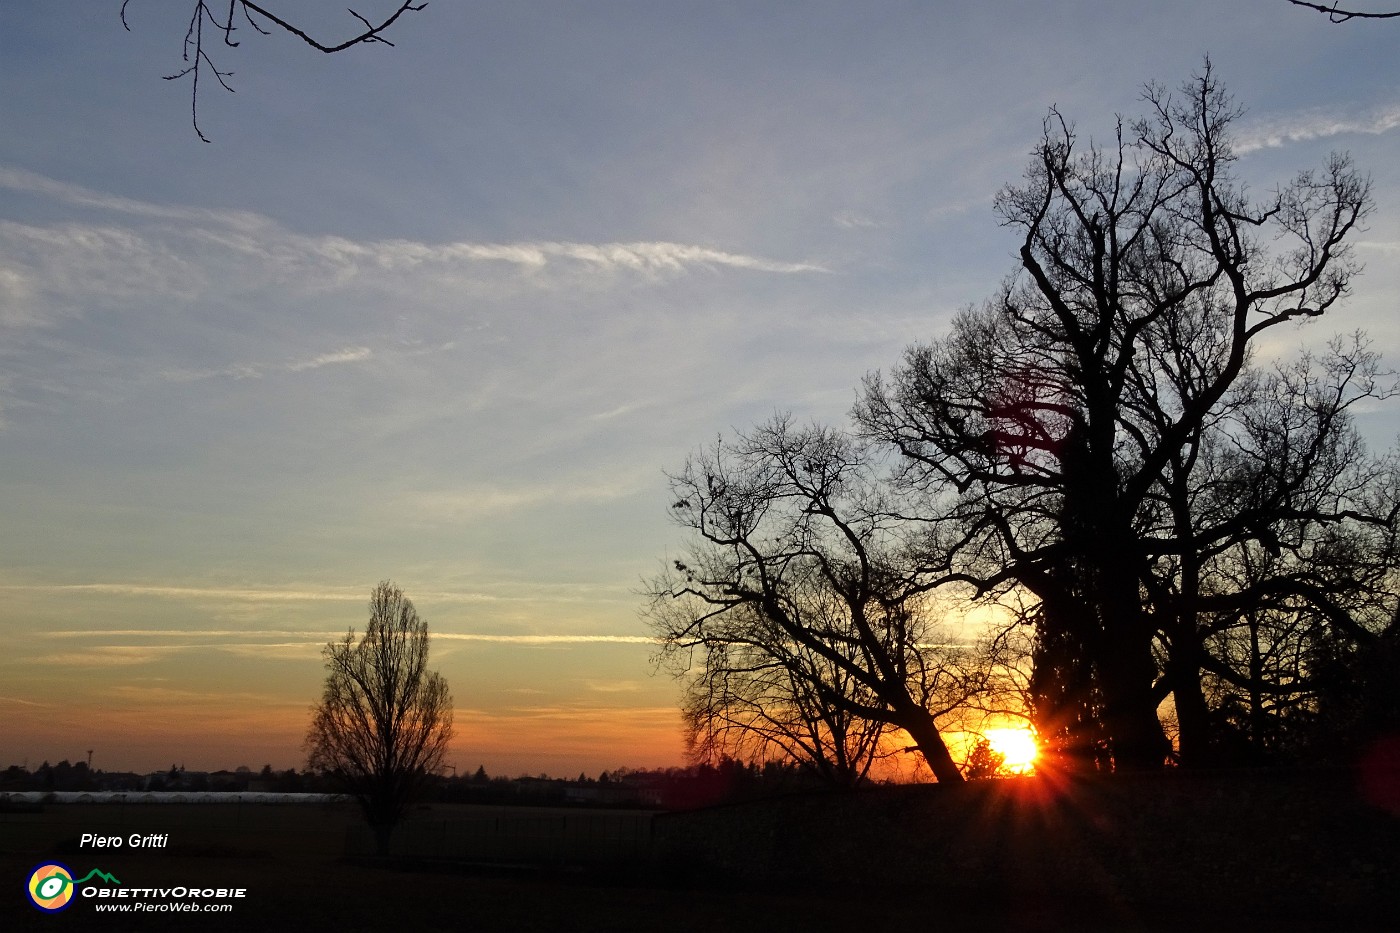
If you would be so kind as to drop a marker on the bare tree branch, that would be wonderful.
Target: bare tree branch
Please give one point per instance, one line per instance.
(198, 59)
(1337, 15)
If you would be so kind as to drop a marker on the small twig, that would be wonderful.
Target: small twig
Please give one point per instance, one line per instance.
(249, 17)
(228, 29)
(195, 35)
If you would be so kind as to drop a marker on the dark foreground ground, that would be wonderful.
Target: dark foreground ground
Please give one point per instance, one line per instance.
(1225, 852)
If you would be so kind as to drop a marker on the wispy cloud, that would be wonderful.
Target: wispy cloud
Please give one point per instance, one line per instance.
(644, 257)
(543, 591)
(258, 370)
(347, 355)
(490, 499)
(108, 656)
(172, 696)
(346, 594)
(276, 651)
(26, 182)
(602, 715)
(547, 639)
(185, 633)
(189, 592)
(850, 220)
(620, 410)
(51, 272)
(18, 702)
(148, 647)
(1314, 124)
(320, 637)
(165, 250)
(613, 686)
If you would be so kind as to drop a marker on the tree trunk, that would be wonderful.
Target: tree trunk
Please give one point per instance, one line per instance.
(383, 832)
(1127, 670)
(1104, 559)
(1065, 693)
(1197, 743)
(920, 726)
(1126, 667)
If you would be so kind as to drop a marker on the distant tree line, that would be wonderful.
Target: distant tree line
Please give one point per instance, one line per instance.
(725, 781)
(66, 776)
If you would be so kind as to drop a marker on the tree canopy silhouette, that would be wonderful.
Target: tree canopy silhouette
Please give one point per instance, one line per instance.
(1098, 448)
(800, 618)
(1102, 432)
(384, 721)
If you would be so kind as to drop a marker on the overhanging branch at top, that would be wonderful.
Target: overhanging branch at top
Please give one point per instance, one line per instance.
(197, 60)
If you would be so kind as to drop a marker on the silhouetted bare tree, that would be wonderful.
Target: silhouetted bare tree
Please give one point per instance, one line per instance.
(384, 720)
(766, 698)
(801, 606)
(257, 16)
(1075, 419)
(1287, 539)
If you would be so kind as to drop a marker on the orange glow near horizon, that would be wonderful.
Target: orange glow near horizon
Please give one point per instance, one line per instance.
(1018, 746)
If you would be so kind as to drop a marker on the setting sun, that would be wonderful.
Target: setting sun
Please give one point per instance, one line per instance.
(1018, 746)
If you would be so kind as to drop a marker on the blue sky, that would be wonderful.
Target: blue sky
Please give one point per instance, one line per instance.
(446, 312)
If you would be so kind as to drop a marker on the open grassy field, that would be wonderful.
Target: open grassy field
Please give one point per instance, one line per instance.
(291, 861)
(1000, 856)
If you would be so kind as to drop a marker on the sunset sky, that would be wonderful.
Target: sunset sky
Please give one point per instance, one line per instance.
(444, 313)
